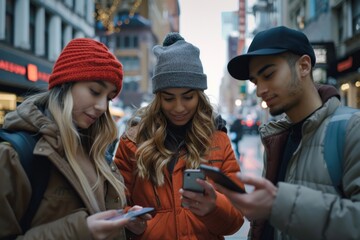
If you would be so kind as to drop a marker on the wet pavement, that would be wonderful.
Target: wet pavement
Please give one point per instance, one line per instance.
(250, 163)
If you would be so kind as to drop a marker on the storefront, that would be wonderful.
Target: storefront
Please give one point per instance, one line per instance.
(348, 76)
(324, 69)
(21, 74)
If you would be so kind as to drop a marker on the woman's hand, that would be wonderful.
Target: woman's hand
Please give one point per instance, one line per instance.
(199, 203)
(101, 227)
(138, 225)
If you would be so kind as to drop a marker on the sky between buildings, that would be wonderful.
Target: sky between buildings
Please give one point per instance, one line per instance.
(200, 24)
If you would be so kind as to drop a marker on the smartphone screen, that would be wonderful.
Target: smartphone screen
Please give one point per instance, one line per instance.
(130, 214)
(189, 183)
(220, 178)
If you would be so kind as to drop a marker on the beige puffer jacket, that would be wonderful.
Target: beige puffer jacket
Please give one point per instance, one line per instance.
(307, 205)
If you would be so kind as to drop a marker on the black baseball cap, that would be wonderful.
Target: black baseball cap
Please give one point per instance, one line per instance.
(271, 42)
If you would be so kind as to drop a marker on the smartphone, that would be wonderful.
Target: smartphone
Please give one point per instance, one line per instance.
(131, 214)
(189, 183)
(220, 178)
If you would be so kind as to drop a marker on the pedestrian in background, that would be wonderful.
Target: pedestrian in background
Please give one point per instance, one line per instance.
(75, 128)
(296, 199)
(178, 130)
(236, 134)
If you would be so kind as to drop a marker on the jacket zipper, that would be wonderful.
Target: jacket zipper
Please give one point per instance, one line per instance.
(176, 159)
(158, 202)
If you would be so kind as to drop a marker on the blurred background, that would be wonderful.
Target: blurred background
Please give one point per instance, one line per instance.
(33, 33)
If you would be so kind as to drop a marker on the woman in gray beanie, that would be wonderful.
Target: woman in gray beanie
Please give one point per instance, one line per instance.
(178, 130)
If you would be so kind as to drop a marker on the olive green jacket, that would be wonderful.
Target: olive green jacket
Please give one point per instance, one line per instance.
(64, 208)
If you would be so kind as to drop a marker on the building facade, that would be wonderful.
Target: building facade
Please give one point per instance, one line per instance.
(138, 27)
(32, 35)
(34, 32)
(337, 45)
(333, 28)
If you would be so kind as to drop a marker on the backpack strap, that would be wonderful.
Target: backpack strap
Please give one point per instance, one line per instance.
(334, 144)
(37, 169)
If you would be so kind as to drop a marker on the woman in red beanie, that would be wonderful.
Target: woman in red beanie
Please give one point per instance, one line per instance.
(74, 128)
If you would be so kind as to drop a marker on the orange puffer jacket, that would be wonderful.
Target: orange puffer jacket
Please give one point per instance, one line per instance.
(171, 221)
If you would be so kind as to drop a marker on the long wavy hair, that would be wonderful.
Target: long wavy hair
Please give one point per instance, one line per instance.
(94, 140)
(152, 156)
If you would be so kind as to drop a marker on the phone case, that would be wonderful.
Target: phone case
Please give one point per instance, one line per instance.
(189, 183)
(219, 177)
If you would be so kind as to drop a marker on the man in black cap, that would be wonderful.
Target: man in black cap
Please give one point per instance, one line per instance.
(296, 199)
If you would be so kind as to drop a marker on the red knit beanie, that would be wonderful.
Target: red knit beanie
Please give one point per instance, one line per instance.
(84, 59)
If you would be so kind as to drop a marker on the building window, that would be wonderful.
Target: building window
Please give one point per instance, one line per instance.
(355, 16)
(47, 20)
(9, 30)
(7, 104)
(340, 16)
(321, 6)
(130, 63)
(63, 42)
(135, 41)
(104, 40)
(130, 84)
(118, 41)
(126, 42)
(32, 27)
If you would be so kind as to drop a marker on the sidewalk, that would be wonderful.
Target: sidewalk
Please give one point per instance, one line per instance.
(251, 162)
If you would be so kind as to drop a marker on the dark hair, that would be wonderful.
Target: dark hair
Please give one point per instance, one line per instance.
(291, 59)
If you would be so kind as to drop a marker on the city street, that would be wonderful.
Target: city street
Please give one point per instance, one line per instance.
(250, 163)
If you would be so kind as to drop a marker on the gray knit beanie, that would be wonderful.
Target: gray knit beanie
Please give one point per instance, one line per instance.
(178, 65)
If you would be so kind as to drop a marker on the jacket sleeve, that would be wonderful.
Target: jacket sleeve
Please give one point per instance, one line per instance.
(15, 193)
(231, 218)
(73, 226)
(306, 213)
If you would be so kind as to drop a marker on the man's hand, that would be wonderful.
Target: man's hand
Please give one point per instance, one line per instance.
(254, 205)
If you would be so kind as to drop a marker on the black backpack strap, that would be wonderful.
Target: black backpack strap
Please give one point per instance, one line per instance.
(37, 169)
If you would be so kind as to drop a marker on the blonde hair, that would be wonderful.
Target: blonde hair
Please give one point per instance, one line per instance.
(93, 140)
(152, 156)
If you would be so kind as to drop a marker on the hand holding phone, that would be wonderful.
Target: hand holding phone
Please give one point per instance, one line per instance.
(131, 214)
(220, 178)
(189, 183)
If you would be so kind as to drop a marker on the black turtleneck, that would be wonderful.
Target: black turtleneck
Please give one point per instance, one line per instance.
(175, 139)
